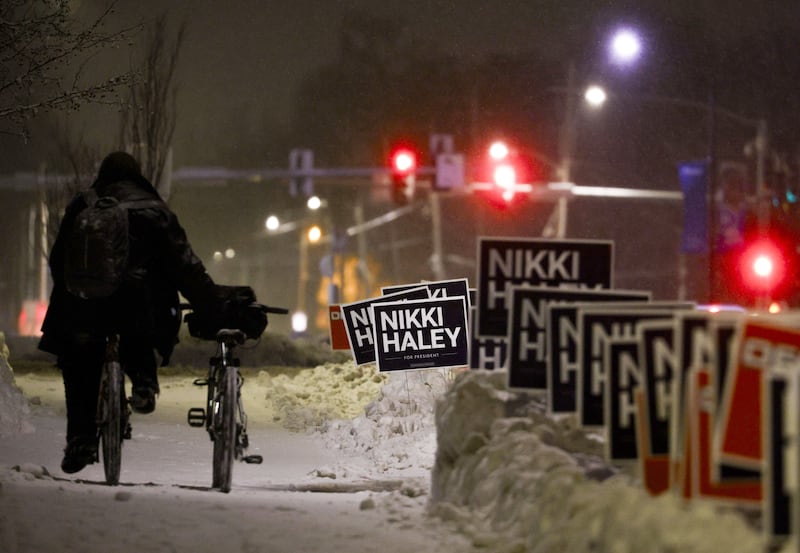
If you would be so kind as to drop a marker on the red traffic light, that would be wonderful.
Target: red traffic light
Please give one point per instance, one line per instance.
(504, 172)
(403, 164)
(404, 161)
(763, 266)
(505, 177)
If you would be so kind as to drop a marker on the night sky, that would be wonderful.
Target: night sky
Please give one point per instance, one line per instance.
(250, 57)
(243, 60)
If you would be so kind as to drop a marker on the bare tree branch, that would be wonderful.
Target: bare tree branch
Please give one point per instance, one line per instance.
(150, 113)
(43, 53)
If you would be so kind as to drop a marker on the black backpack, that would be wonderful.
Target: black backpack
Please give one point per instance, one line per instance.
(96, 253)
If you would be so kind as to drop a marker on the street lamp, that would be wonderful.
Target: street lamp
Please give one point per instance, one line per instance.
(625, 46)
(595, 96)
(272, 223)
(314, 234)
(314, 203)
(299, 322)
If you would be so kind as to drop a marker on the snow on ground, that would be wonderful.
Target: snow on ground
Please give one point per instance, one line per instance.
(532, 484)
(14, 410)
(435, 460)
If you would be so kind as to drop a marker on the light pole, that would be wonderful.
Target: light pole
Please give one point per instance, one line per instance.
(568, 128)
(311, 235)
(625, 47)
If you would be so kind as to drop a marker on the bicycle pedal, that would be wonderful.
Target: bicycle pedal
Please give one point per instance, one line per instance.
(200, 382)
(196, 416)
(253, 459)
(126, 435)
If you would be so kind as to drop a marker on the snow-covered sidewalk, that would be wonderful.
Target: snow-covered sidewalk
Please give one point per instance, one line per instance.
(306, 496)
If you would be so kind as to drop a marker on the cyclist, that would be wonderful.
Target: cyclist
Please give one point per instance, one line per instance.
(144, 310)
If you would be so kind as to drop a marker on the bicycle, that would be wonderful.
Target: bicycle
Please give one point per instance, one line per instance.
(113, 413)
(224, 417)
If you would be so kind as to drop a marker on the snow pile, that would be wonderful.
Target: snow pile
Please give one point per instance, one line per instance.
(310, 397)
(396, 432)
(14, 410)
(520, 484)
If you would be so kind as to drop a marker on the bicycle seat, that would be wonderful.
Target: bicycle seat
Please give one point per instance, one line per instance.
(230, 335)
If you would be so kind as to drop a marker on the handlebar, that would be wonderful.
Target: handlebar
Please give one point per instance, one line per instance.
(260, 306)
(270, 309)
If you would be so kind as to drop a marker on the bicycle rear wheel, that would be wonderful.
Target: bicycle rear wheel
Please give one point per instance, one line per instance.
(110, 421)
(225, 429)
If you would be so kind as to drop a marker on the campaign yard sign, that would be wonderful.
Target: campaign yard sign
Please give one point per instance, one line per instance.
(762, 346)
(420, 334)
(505, 262)
(695, 351)
(527, 336)
(701, 413)
(453, 288)
(781, 427)
(359, 325)
(658, 360)
(338, 332)
(597, 326)
(724, 328)
(624, 378)
(485, 353)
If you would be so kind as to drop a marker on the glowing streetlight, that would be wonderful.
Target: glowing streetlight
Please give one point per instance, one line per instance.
(625, 46)
(272, 223)
(314, 203)
(314, 234)
(299, 322)
(230, 253)
(595, 96)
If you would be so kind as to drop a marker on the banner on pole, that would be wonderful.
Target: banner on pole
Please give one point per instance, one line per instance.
(693, 176)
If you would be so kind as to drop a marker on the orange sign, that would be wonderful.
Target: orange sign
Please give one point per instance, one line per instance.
(338, 331)
(702, 415)
(761, 347)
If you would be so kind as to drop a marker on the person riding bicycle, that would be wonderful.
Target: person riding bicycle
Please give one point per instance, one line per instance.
(144, 311)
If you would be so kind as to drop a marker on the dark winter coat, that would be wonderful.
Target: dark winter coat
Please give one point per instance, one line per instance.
(161, 264)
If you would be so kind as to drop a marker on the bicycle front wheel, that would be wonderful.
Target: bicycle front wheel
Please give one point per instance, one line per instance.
(110, 421)
(225, 429)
